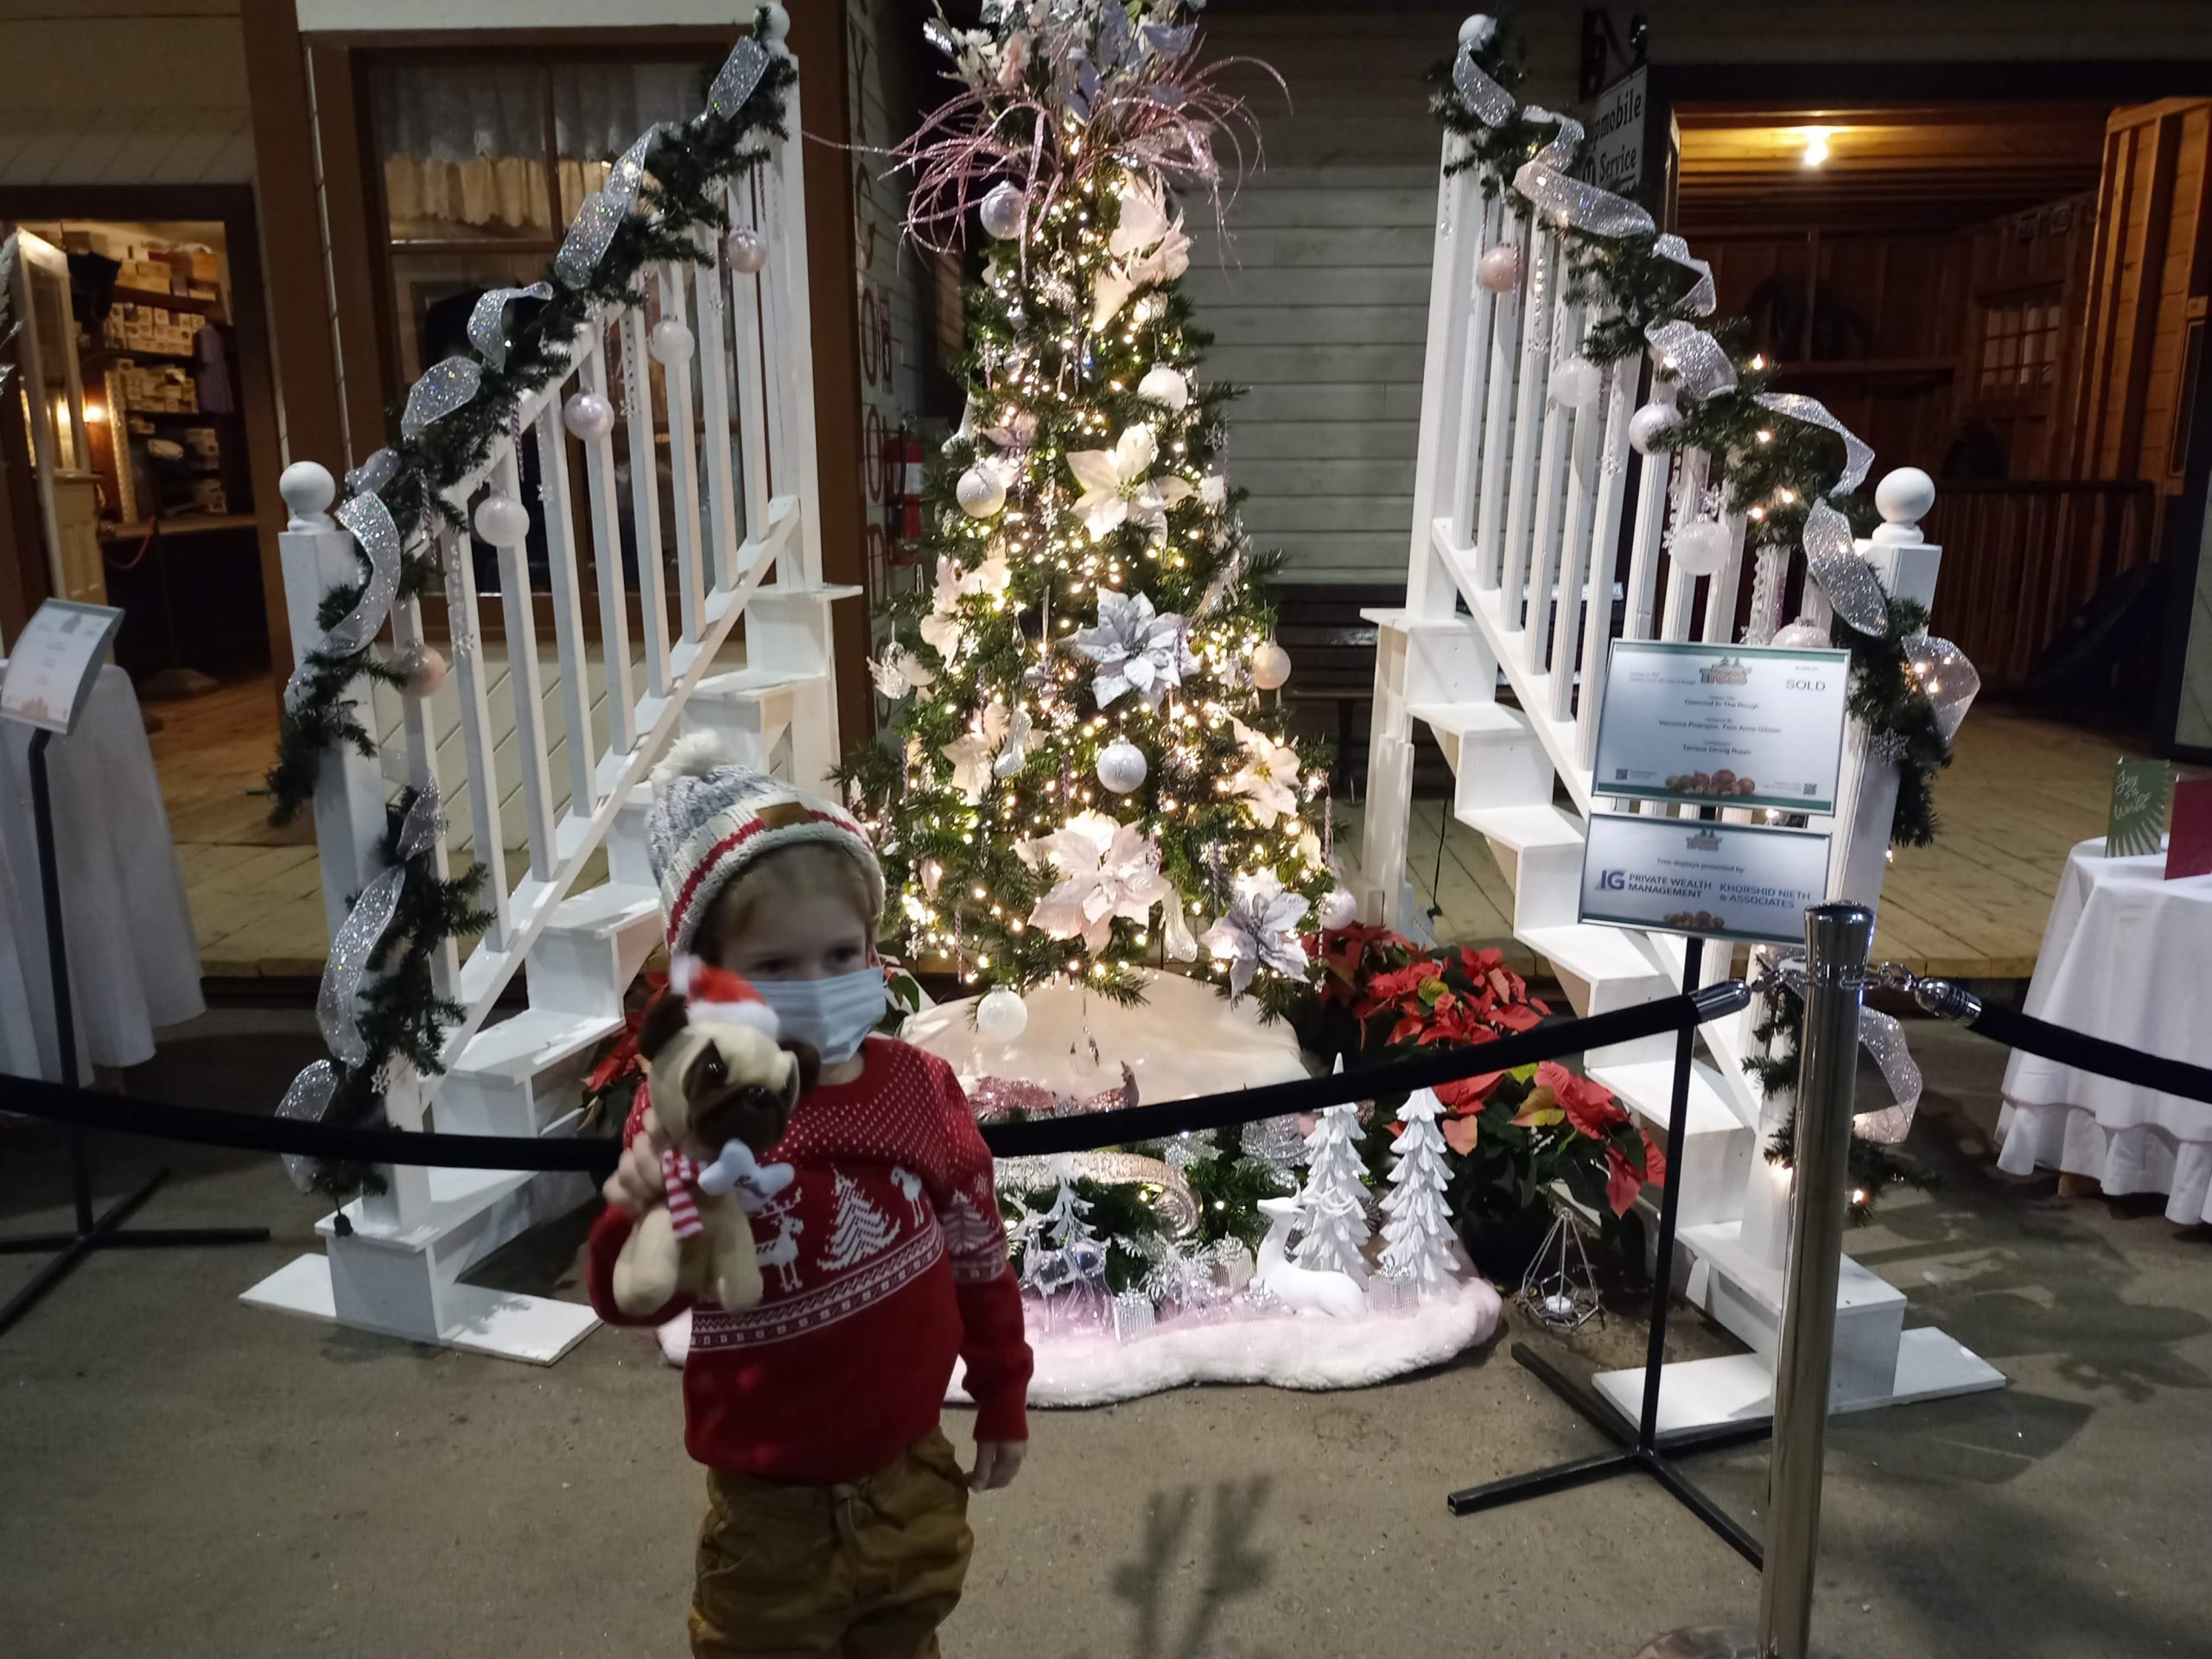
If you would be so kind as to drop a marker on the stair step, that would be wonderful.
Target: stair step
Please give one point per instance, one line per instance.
(1647, 1088)
(1477, 721)
(457, 1197)
(1404, 621)
(1747, 1295)
(744, 682)
(1525, 828)
(1591, 953)
(603, 911)
(533, 1041)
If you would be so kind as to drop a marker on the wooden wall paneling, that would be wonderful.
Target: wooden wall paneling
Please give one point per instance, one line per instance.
(2139, 319)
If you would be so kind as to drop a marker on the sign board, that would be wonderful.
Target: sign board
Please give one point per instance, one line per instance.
(1616, 142)
(50, 673)
(1716, 880)
(1714, 724)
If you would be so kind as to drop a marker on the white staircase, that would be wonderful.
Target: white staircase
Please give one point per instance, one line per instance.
(572, 783)
(1516, 587)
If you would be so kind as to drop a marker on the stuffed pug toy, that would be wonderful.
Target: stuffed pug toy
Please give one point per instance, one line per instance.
(723, 1089)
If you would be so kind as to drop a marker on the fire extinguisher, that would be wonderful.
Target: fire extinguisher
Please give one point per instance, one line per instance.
(902, 496)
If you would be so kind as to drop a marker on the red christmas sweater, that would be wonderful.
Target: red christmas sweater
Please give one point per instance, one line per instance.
(883, 1259)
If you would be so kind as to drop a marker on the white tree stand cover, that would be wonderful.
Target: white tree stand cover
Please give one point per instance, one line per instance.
(1333, 1206)
(1418, 1239)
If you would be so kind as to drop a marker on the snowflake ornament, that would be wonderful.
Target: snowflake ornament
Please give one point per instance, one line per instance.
(1136, 649)
(1119, 489)
(1268, 778)
(1259, 930)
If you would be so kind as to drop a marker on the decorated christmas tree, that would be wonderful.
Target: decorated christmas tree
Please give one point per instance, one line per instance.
(1086, 766)
(1418, 1238)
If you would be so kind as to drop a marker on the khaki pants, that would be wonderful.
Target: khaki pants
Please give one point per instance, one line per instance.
(865, 1571)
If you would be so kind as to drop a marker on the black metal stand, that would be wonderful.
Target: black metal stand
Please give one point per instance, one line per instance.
(1637, 1445)
(91, 1233)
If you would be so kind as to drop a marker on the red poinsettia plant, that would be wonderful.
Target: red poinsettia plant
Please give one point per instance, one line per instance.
(1511, 1133)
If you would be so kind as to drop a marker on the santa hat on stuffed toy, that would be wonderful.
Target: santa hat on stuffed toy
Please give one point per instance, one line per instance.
(714, 994)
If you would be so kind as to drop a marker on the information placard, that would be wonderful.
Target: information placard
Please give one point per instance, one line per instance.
(52, 666)
(1716, 880)
(1708, 724)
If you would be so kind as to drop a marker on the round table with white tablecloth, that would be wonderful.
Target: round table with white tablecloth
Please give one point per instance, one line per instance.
(2127, 956)
(134, 960)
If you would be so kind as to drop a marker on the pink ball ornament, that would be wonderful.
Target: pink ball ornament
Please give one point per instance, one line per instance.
(1700, 549)
(1499, 268)
(1002, 210)
(1648, 423)
(588, 415)
(502, 520)
(746, 252)
(424, 665)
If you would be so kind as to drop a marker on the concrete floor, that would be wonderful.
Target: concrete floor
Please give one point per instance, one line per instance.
(180, 1475)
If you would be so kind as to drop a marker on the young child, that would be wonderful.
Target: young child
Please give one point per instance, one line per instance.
(837, 1511)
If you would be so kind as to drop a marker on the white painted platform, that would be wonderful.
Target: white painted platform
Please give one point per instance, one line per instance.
(502, 1325)
(1704, 1393)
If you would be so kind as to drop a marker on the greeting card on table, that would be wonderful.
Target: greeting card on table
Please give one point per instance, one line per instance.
(2140, 790)
(2189, 848)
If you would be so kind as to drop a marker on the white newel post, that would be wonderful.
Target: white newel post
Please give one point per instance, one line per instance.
(317, 556)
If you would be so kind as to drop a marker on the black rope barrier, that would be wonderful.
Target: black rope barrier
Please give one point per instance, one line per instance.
(203, 1125)
(2029, 1035)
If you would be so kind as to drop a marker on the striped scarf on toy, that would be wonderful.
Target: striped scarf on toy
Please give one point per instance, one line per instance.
(679, 1171)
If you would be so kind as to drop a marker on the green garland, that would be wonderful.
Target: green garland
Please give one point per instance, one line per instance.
(1772, 468)
(686, 165)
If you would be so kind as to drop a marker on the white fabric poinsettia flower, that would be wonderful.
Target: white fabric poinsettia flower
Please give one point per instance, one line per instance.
(1136, 649)
(941, 627)
(971, 753)
(1166, 386)
(1119, 489)
(993, 576)
(899, 671)
(1148, 247)
(1106, 869)
(1268, 778)
(1213, 490)
(1259, 930)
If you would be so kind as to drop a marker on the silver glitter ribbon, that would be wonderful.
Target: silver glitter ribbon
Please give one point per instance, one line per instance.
(1883, 1039)
(1559, 152)
(443, 388)
(1585, 207)
(488, 320)
(1177, 1207)
(364, 926)
(1490, 102)
(1700, 299)
(370, 520)
(308, 1101)
(1857, 455)
(1947, 677)
(372, 474)
(1832, 559)
(735, 80)
(1693, 357)
(603, 212)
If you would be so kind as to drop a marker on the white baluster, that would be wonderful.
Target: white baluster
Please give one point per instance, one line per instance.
(684, 465)
(457, 553)
(525, 684)
(645, 498)
(1474, 367)
(1721, 592)
(752, 405)
(1604, 557)
(1681, 587)
(1551, 481)
(1540, 305)
(714, 404)
(607, 560)
(775, 329)
(798, 316)
(418, 732)
(1508, 318)
(1596, 430)
(568, 608)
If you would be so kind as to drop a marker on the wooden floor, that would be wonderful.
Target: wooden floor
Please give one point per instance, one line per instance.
(2021, 793)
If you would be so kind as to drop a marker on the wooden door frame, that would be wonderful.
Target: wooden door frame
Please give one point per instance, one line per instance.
(233, 207)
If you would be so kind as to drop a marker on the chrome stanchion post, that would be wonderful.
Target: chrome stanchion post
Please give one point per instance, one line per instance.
(1836, 941)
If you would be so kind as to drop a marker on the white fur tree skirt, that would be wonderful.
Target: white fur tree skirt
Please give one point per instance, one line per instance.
(1088, 1366)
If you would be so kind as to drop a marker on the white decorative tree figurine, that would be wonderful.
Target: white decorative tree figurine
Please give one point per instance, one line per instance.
(1333, 1206)
(1418, 1238)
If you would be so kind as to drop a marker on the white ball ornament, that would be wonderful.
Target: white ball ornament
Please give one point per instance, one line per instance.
(1121, 765)
(1499, 268)
(588, 415)
(503, 521)
(1700, 549)
(1338, 910)
(424, 665)
(1270, 665)
(1803, 634)
(669, 342)
(1166, 386)
(980, 493)
(1001, 1015)
(1574, 383)
(746, 252)
(1648, 422)
(1002, 210)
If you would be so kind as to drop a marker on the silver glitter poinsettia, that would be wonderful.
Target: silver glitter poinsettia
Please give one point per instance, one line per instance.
(1136, 649)
(1259, 930)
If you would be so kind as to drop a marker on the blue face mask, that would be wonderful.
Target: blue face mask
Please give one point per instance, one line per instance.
(835, 1014)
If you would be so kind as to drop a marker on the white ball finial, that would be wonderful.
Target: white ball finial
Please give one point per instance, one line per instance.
(1903, 499)
(308, 490)
(775, 24)
(1478, 30)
